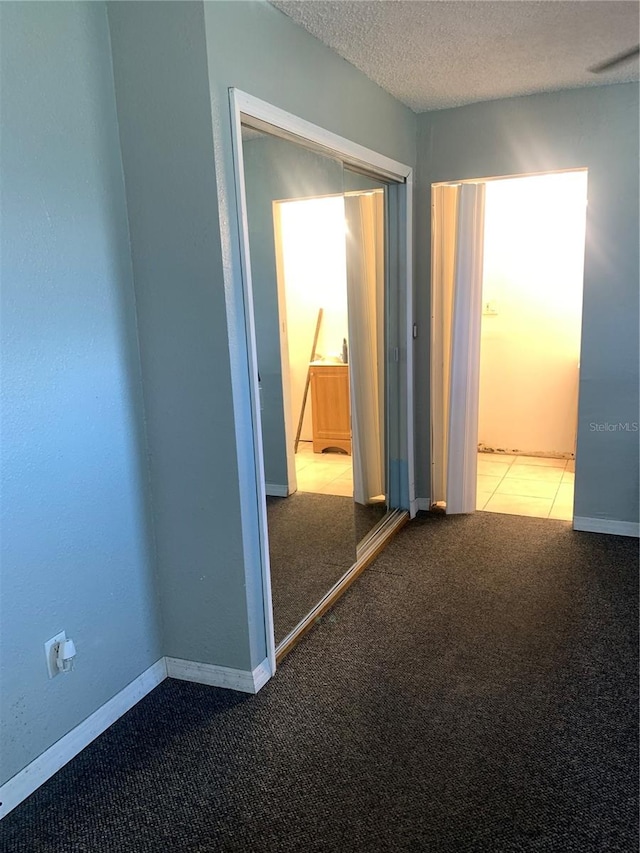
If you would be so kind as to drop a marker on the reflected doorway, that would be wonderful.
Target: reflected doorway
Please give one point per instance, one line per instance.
(312, 291)
(330, 267)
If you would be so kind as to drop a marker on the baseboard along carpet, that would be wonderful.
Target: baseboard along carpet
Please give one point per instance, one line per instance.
(474, 690)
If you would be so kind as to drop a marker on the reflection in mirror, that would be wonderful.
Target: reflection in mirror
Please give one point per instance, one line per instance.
(365, 265)
(318, 282)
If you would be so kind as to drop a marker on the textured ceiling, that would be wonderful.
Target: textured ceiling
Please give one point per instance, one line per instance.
(433, 54)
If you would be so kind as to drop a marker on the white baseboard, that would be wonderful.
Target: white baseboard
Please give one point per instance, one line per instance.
(28, 780)
(607, 525)
(275, 490)
(261, 674)
(423, 504)
(244, 680)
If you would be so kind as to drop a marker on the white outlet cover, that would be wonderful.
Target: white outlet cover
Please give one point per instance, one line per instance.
(49, 650)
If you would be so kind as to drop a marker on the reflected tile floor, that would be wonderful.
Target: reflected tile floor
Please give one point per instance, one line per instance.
(323, 473)
(525, 485)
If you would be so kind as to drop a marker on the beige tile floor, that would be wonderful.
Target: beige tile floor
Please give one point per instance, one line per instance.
(525, 485)
(516, 485)
(323, 473)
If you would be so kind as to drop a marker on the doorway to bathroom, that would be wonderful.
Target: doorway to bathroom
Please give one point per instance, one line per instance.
(507, 284)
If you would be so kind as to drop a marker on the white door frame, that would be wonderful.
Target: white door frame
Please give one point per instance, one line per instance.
(434, 354)
(353, 154)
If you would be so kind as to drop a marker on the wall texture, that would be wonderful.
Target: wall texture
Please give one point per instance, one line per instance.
(160, 69)
(76, 540)
(595, 128)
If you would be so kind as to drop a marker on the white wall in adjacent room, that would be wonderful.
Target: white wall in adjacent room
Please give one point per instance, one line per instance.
(533, 280)
(314, 274)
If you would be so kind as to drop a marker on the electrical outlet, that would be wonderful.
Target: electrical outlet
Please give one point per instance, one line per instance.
(50, 650)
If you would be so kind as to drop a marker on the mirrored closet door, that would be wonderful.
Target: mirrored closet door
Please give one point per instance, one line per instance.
(317, 245)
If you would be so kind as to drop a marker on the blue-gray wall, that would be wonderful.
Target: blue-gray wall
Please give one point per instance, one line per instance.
(160, 69)
(76, 540)
(596, 128)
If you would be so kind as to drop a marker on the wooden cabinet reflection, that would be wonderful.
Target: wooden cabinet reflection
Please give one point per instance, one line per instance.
(330, 412)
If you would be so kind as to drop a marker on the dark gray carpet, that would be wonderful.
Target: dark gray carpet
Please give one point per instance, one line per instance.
(312, 543)
(366, 517)
(475, 690)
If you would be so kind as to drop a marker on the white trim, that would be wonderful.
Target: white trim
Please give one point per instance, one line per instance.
(35, 774)
(353, 152)
(244, 680)
(464, 380)
(276, 490)
(28, 780)
(488, 179)
(409, 295)
(423, 504)
(235, 102)
(261, 674)
(606, 525)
